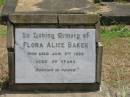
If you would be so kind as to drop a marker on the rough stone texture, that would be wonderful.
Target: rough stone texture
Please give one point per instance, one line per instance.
(49, 11)
(57, 6)
(32, 18)
(71, 19)
(10, 36)
(73, 6)
(119, 12)
(105, 91)
(53, 95)
(116, 9)
(78, 19)
(115, 13)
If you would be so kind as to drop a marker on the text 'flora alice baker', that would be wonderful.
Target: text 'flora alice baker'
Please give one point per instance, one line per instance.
(52, 44)
(55, 45)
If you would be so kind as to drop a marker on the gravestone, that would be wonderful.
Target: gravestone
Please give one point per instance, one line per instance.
(53, 45)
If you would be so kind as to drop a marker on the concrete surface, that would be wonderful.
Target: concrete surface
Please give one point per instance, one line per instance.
(116, 9)
(53, 95)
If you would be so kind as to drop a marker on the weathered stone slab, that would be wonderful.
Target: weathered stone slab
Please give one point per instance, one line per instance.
(89, 19)
(11, 63)
(57, 6)
(67, 19)
(99, 61)
(115, 13)
(10, 36)
(35, 19)
(45, 11)
(91, 94)
(55, 55)
(115, 9)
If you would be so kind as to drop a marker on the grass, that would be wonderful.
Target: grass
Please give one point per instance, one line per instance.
(2, 2)
(3, 55)
(115, 31)
(3, 31)
(116, 56)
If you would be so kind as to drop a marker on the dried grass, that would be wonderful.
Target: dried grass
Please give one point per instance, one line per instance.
(116, 65)
(3, 61)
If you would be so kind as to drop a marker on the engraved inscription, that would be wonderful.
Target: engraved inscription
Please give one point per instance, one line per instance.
(55, 55)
